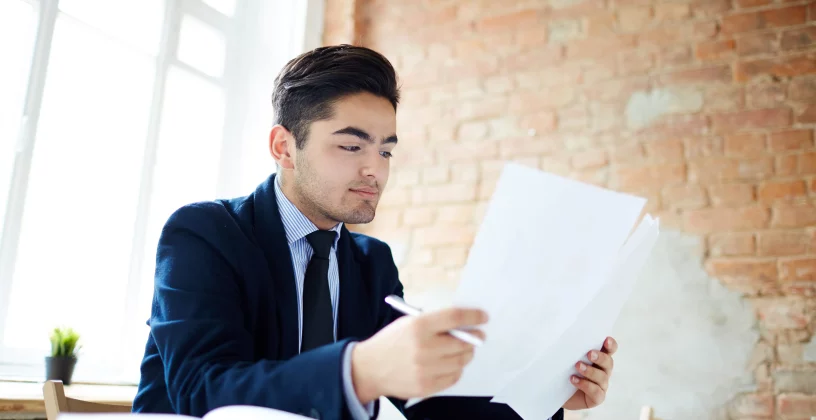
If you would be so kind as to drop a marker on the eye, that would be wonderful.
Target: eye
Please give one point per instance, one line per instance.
(386, 155)
(350, 148)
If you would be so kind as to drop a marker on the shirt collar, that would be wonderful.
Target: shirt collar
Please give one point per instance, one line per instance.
(295, 224)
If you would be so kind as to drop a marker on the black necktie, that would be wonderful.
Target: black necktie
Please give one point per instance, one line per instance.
(318, 320)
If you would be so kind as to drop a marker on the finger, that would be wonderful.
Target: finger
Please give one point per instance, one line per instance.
(601, 360)
(594, 374)
(447, 345)
(448, 319)
(593, 392)
(610, 346)
(446, 381)
(454, 364)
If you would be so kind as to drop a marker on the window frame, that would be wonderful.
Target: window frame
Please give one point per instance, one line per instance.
(242, 33)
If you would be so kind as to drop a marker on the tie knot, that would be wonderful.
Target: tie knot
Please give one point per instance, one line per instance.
(321, 242)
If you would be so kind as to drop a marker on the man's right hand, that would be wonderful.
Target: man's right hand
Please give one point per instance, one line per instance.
(414, 356)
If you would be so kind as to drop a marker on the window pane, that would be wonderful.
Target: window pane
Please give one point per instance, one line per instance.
(136, 22)
(18, 27)
(75, 245)
(226, 7)
(201, 46)
(186, 169)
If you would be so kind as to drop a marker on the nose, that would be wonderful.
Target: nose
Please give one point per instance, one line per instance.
(373, 165)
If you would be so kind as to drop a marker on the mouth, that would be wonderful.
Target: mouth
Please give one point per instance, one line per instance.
(367, 193)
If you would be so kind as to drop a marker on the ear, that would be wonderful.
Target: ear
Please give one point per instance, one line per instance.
(280, 142)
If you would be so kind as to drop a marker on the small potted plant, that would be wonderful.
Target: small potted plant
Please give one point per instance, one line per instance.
(64, 351)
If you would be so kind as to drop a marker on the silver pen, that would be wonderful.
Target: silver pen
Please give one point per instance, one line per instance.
(399, 304)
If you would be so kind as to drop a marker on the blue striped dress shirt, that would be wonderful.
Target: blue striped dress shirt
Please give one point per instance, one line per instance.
(297, 226)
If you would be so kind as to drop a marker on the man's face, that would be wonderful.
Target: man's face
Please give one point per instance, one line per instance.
(341, 172)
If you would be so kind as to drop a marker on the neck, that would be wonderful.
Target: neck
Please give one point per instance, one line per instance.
(304, 206)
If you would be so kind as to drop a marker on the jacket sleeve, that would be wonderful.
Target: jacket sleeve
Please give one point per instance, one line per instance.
(207, 352)
(443, 408)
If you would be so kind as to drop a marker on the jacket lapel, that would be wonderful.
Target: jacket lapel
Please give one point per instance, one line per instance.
(271, 237)
(355, 315)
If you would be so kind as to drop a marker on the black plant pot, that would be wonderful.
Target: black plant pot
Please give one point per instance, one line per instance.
(60, 368)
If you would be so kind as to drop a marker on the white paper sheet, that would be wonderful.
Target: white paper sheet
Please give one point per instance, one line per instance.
(540, 255)
(542, 387)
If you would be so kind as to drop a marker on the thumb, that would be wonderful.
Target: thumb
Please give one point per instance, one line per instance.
(448, 319)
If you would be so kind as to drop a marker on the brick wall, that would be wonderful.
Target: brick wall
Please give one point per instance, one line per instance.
(706, 107)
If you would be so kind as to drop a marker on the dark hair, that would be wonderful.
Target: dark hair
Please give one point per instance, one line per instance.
(308, 86)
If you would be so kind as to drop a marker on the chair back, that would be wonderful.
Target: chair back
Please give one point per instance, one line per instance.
(56, 402)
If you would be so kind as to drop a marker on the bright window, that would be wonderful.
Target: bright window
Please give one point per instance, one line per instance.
(114, 113)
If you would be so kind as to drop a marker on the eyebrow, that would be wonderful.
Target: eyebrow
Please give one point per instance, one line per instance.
(363, 135)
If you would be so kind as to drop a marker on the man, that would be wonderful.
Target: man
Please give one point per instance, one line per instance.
(269, 300)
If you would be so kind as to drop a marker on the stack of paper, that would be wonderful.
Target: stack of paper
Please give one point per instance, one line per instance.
(552, 266)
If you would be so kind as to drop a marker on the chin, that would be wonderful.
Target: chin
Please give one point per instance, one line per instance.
(362, 214)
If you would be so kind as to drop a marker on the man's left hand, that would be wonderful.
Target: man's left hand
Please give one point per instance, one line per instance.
(595, 381)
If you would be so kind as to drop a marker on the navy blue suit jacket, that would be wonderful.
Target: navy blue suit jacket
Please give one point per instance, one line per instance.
(224, 321)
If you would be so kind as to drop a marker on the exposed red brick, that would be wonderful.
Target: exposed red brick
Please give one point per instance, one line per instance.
(704, 75)
(684, 197)
(807, 116)
(779, 190)
(793, 215)
(724, 98)
(529, 102)
(712, 50)
(725, 219)
(807, 163)
(526, 146)
(752, 119)
(672, 34)
(590, 159)
(731, 195)
(601, 24)
(766, 95)
(803, 89)
(671, 11)
(617, 90)
(634, 18)
(725, 169)
(709, 8)
(731, 244)
(678, 126)
(797, 269)
(788, 66)
(703, 146)
(546, 55)
(773, 18)
(746, 275)
(760, 43)
(786, 165)
(522, 18)
(790, 140)
(752, 3)
(444, 235)
(547, 84)
(745, 145)
(669, 150)
(797, 39)
(629, 178)
(782, 242)
(636, 62)
(599, 46)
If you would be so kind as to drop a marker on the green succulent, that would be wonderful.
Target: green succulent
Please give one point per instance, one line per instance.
(64, 342)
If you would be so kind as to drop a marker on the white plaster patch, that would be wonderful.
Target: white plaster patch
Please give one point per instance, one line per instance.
(646, 106)
(685, 340)
(809, 353)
